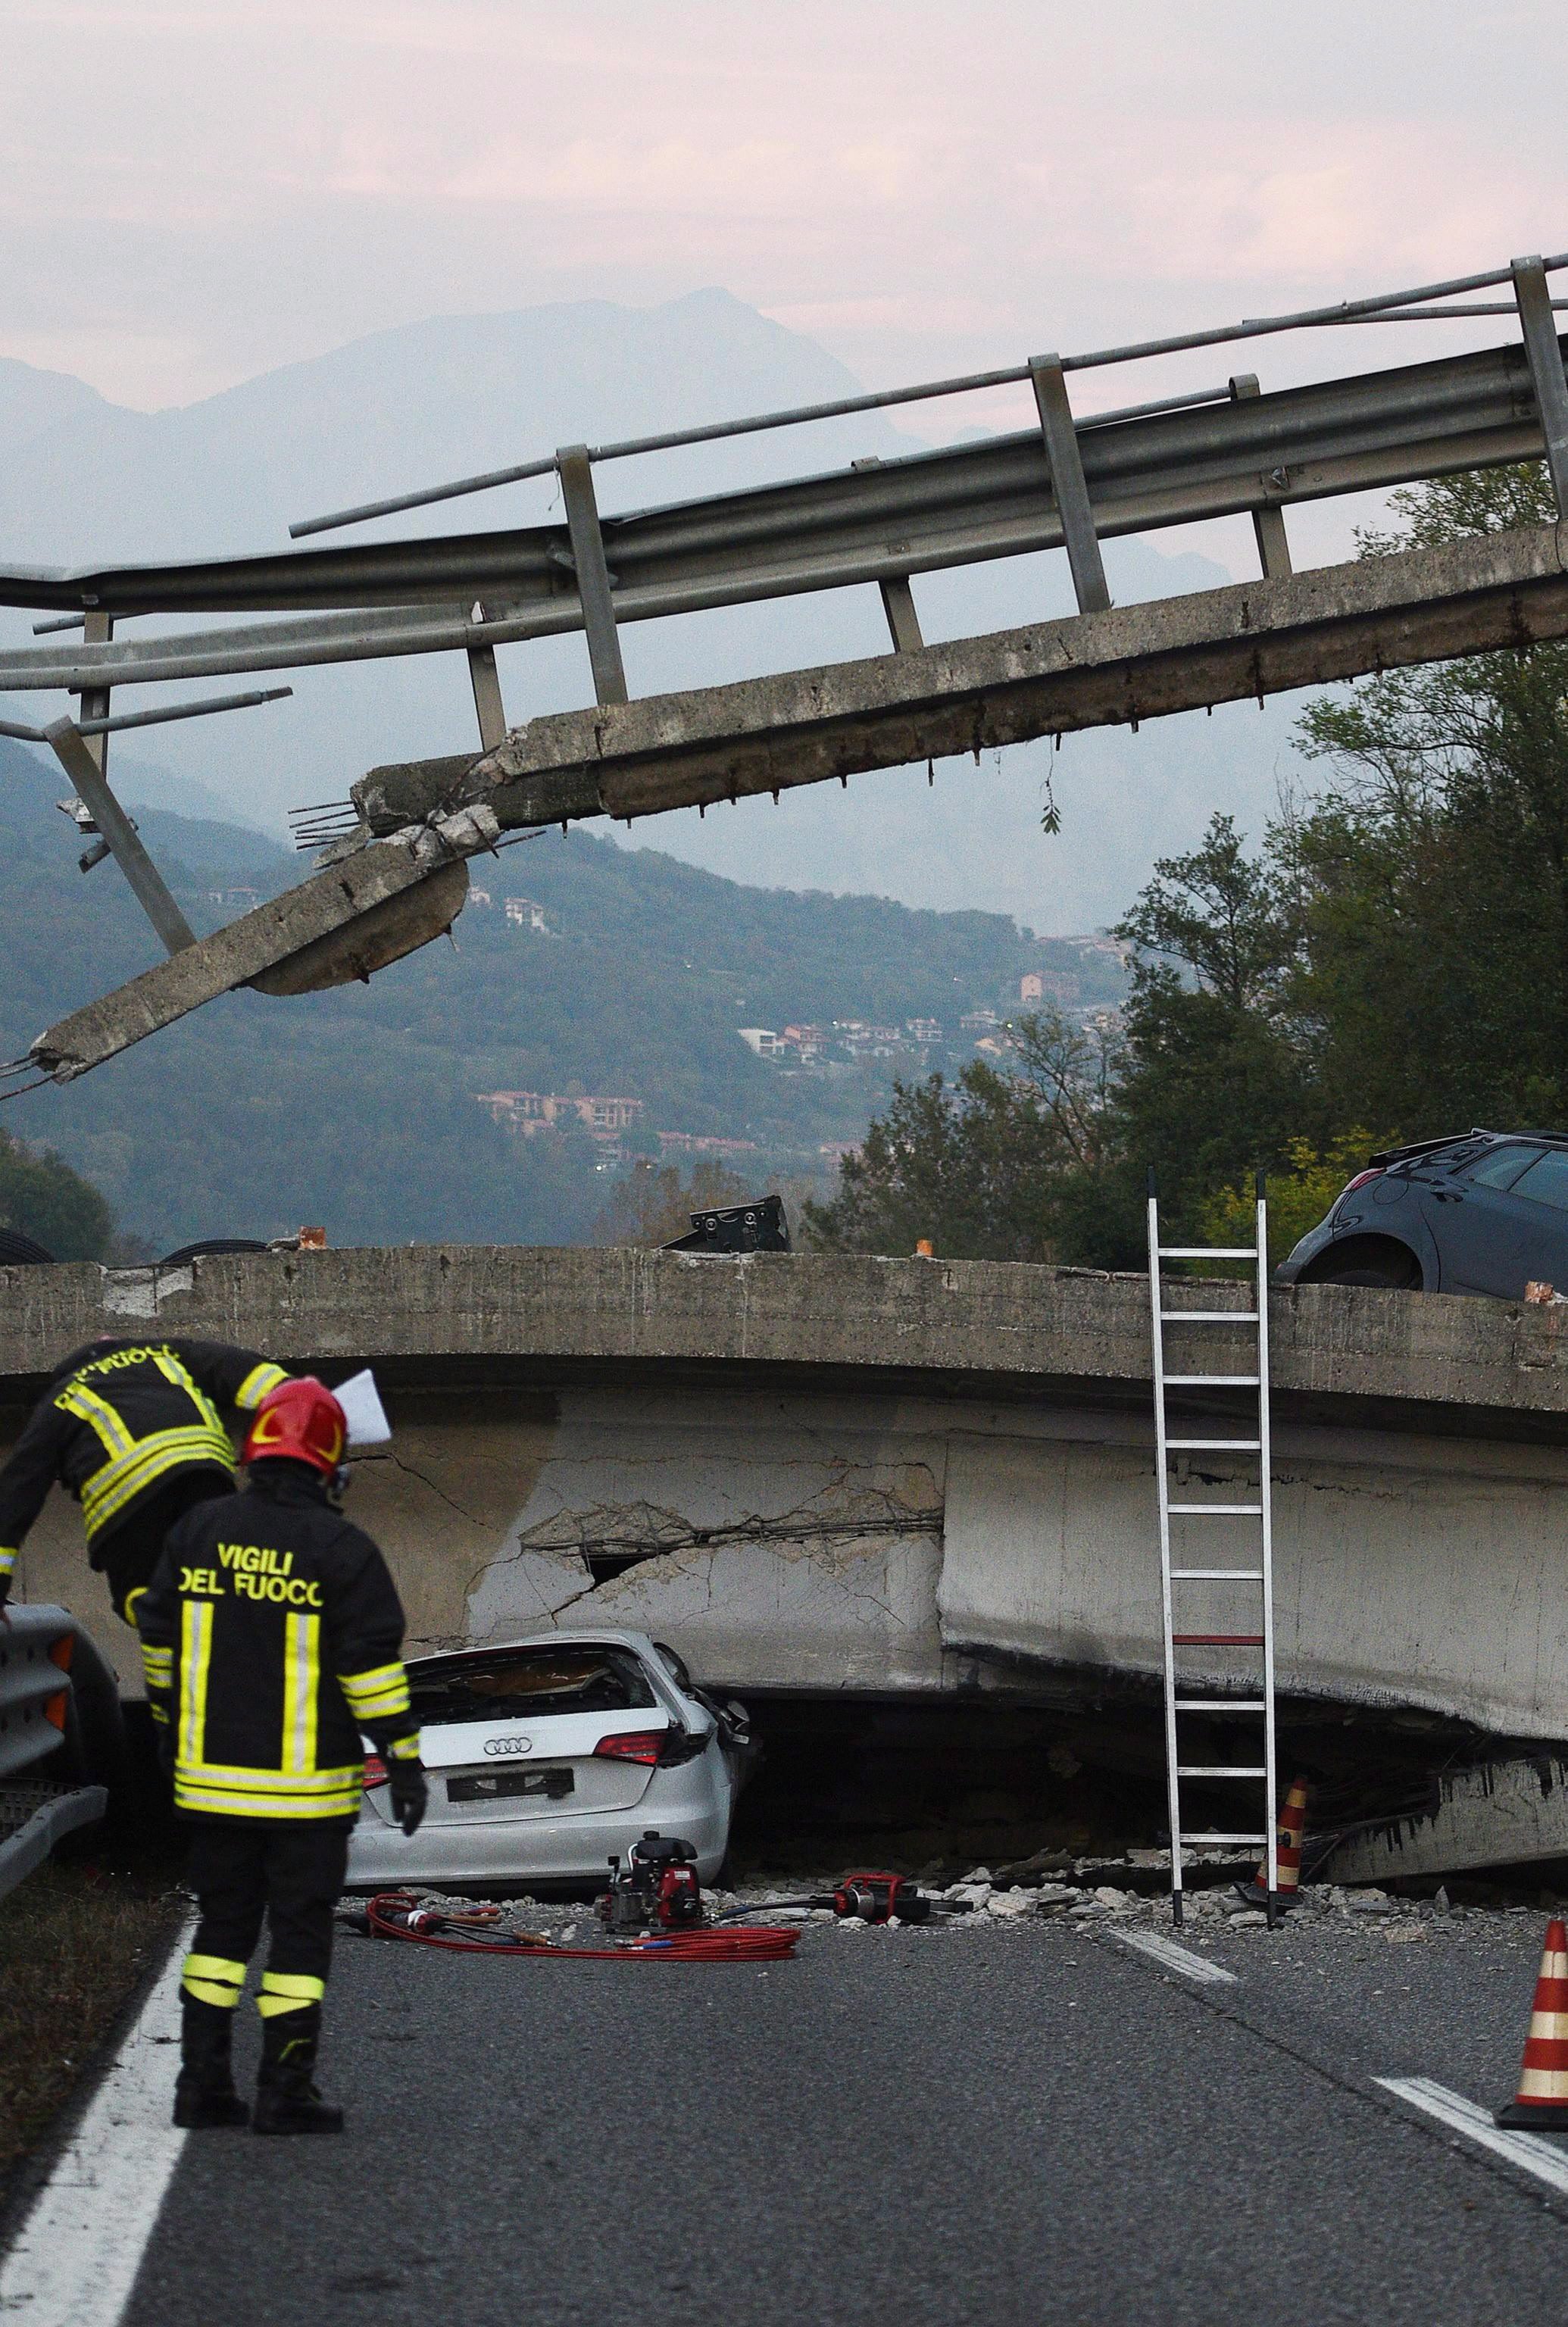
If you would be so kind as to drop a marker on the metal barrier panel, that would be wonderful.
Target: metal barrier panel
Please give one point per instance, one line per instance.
(37, 1649)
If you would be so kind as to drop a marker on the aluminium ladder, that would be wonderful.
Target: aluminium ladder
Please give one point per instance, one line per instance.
(1252, 1579)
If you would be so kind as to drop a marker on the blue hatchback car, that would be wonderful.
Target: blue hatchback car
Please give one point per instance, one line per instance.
(1483, 1211)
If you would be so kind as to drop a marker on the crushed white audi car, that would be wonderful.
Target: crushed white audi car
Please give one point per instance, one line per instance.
(551, 1754)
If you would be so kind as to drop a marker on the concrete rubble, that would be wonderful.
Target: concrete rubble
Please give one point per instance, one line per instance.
(975, 1906)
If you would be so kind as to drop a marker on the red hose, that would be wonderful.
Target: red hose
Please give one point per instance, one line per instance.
(734, 1943)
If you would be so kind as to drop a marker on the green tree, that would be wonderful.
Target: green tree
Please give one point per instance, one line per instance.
(1298, 1197)
(1005, 1162)
(1432, 872)
(45, 1200)
(1218, 1076)
(653, 1204)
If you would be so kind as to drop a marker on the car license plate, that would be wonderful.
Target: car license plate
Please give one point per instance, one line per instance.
(501, 1785)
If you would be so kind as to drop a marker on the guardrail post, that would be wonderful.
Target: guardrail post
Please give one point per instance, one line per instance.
(898, 598)
(1067, 482)
(486, 681)
(1546, 356)
(576, 471)
(903, 619)
(97, 630)
(1268, 523)
(75, 754)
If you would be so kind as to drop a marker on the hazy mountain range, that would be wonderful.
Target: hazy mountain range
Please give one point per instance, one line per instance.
(82, 479)
(577, 967)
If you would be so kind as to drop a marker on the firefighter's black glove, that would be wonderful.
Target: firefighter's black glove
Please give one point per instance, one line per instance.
(410, 1794)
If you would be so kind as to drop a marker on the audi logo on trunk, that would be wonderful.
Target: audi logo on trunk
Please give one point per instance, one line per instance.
(509, 1744)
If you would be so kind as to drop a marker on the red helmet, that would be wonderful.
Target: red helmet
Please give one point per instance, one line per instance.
(301, 1421)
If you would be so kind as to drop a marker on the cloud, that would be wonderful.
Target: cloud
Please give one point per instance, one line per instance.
(242, 181)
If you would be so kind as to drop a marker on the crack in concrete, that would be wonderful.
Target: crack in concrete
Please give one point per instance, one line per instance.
(414, 1472)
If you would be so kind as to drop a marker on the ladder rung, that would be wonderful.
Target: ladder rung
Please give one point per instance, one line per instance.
(1219, 1705)
(1217, 1640)
(1225, 1446)
(1199, 1769)
(1212, 1381)
(1208, 1252)
(1209, 1316)
(1217, 1575)
(1216, 1510)
(1186, 1838)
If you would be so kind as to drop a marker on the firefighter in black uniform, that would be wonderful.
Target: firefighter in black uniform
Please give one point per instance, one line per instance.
(131, 1429)
(272, 1638)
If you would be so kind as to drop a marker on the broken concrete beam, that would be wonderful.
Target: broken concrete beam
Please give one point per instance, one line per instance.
(346, 922)
(1502, 1814)
(1121, 666)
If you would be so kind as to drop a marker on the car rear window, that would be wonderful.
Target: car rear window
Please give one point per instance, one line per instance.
(1546, 1181)
(525, 1683)
(1502, 1167)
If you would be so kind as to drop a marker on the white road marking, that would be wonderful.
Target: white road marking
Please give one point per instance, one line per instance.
(76, 2257)
(1175, 1958)
(1525, 2150)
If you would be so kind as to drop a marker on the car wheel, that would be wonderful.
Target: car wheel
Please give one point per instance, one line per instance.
(1392, 1275)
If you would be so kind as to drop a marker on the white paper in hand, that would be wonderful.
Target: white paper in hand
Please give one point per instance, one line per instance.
(363, 1410)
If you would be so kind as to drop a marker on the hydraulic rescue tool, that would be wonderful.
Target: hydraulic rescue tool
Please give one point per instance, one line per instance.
(878, 1899)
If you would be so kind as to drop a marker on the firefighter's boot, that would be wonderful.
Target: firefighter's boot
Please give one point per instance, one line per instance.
(286, 2101)
(204, 2094)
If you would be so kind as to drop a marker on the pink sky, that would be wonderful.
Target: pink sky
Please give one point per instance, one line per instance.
(197, 189)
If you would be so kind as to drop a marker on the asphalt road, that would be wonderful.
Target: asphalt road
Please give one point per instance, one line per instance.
(1018, 2124)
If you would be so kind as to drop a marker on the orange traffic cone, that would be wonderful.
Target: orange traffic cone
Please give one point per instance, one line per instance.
(1287, 1850)
(1542, 2099)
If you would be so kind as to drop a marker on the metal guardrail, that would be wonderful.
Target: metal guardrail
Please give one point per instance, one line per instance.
(1071, 482)
(33, 1816)
(58, 1704)
(37, 1650)
(1252, 454)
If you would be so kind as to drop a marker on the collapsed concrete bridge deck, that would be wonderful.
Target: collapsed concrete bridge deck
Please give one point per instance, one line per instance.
(840, 1473)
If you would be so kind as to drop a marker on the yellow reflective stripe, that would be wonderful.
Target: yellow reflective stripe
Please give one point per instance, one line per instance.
(157, 1662)
(270, 2007)
(256, 1384)
(103, 1498)
(195, 1656)
(404, 1749)
(99, 1414)
(301, 1673)
(207, 1991)
(7, 1558)
(216, 1802)
(374, 1677)
(227, 1967)
(131, 1616)
(239, 1777)
(158, 1713)
(379, 1708)
(213, 1979)
(300, 1984)
(376, 1694)
(159, 1443)
(111, 1488)
(170, 1367)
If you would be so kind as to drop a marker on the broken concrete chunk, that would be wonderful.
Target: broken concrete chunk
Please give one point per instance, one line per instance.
(968, 1895)
(1007, 1904)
